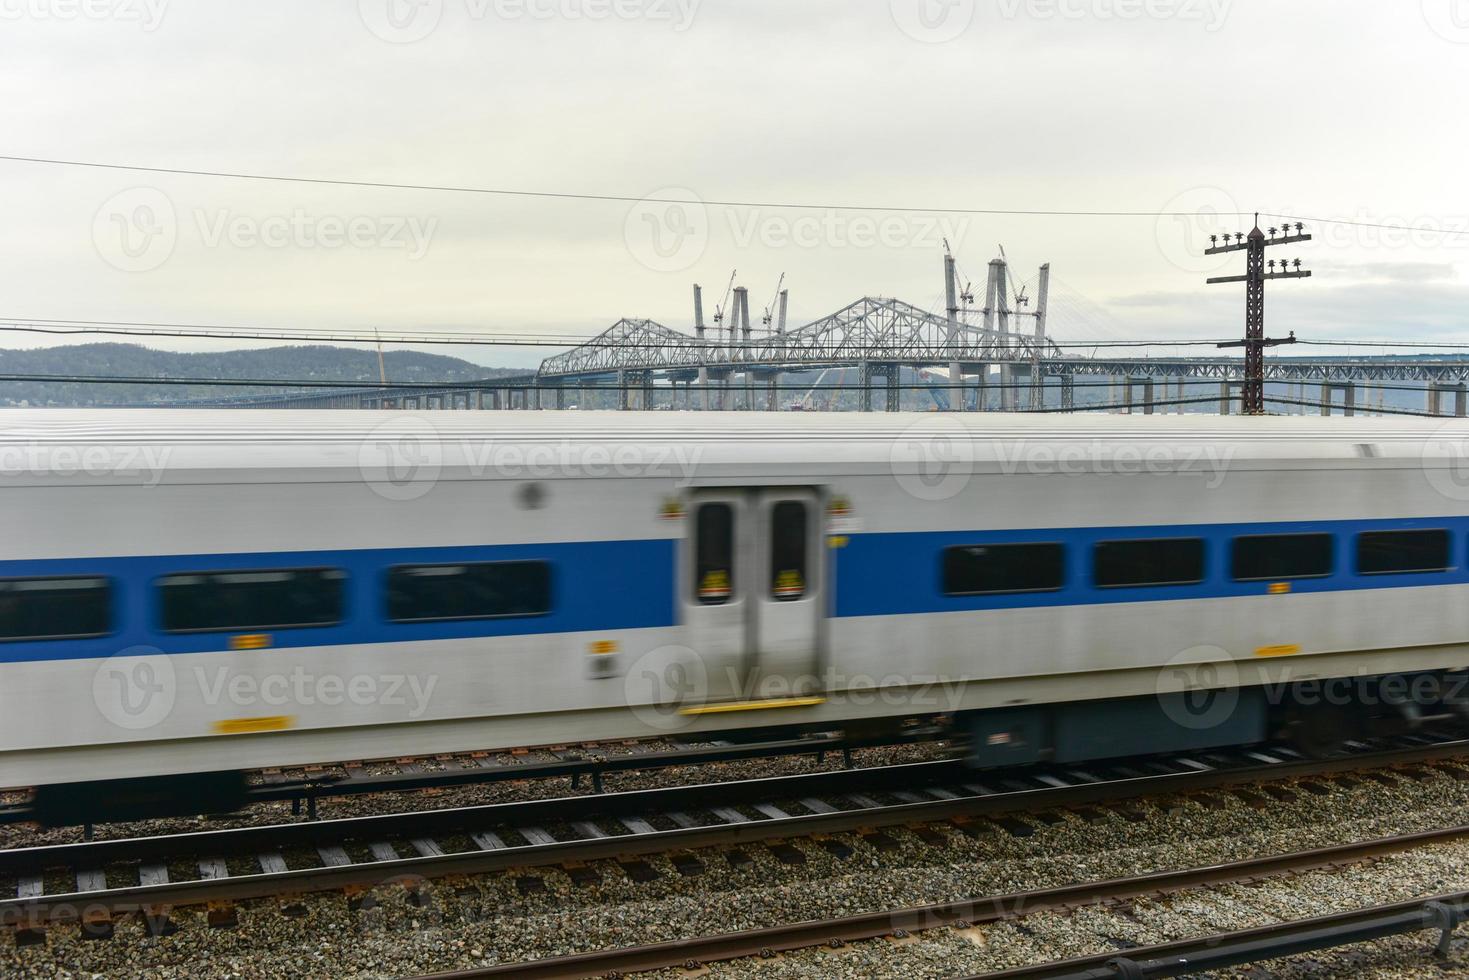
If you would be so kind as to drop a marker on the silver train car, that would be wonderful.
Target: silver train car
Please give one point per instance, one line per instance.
(188, 594)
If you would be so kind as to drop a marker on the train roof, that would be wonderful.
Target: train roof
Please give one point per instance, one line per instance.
(34, 441)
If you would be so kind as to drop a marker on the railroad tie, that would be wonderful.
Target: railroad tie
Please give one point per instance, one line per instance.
(153, 874)
(272, 863)
(426, 847)
(683, 820)
(382, 851)
(91, 880)
(817, 806)
(589, 830)
(31, 887)
(213, 868)
(771, 810)
(729, 814)
(637, 825)
(487, 840)
(333, 856)
(535, 835)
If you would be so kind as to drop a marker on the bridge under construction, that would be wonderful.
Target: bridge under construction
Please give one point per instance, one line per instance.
(998, 356)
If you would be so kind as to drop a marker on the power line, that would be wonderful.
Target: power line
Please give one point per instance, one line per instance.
(638, 199)
(577, 196)
(206, 331)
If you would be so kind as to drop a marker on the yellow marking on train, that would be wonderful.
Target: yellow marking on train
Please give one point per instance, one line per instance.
(1279, 588)
(837, 541)
(715, 709)
(602, 647)
(1284, 650)
(251, 641)
(242, 726)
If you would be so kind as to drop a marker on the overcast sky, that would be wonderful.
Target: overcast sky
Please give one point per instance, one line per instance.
(1347, 109)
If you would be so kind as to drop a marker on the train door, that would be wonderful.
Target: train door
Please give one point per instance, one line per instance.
(754, 591)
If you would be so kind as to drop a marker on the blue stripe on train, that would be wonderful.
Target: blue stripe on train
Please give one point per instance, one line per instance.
(610, 585)
(595, 585)
(889, 574)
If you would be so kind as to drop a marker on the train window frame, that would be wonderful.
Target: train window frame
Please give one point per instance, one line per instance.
(109, 605)
(779, 589)
(1331, 565)
(343, 577)
(1448, 540)
(1061, 569)
(1203, 544)
(387, 610)
(699, 569)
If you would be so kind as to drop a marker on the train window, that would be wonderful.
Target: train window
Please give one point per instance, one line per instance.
(280, 598)
(1277, 556)
(788, 548)
(1164, 561)
(987, 569)
(55, 608)
(714, 554)
(479, 590)
(1392, 552)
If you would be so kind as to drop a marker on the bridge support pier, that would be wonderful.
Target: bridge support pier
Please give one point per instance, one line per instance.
(1437, 390)
(1128, 389)
(1068, 391)
(1227, 390)
(1349, 397)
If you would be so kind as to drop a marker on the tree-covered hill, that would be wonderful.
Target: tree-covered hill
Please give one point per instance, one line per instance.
(313, 363)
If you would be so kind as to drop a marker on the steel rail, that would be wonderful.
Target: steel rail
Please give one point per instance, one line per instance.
(329, 785)
(977, 911)
(1222, 950)
(253, 841)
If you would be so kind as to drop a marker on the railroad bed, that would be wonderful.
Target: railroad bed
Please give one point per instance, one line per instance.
(962, 830)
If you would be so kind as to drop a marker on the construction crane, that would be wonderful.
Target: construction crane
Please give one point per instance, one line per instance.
(1017, 290)
(769, 307)
(719, 310)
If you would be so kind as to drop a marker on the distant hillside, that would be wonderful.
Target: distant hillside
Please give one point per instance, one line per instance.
(317, 363)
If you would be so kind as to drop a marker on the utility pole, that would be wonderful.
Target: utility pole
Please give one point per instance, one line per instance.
(1255, 341)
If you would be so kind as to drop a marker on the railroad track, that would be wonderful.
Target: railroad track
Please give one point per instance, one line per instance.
(591, 763)
(96, 882)
(1225, 950)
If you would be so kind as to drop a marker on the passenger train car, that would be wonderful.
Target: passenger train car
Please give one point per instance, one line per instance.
(185, 595)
